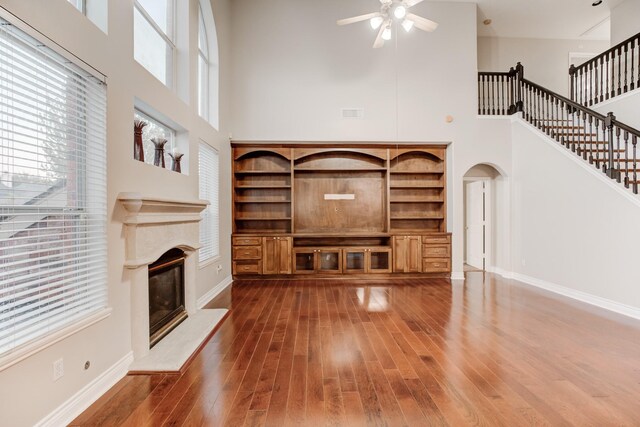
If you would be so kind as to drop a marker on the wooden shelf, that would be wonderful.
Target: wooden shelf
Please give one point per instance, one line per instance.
(356, 234)
(262, 172)
(372, 169)
(416, 172)
(414, 186)
(415, 201)
(263, 219)
(415, 216)
(265, 187)
(263, 201)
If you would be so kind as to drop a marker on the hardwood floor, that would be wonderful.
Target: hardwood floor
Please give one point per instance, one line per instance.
(414, 352)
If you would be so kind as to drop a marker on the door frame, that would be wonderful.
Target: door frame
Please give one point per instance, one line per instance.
(488, 219)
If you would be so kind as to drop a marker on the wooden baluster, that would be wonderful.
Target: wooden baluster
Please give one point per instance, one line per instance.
(479, 94)
(618, 153)
(619, 71)
(606, 57)
(549, 114)
(503, 86)
(633, 51)
(582, 137)
(638, 72)
(626, 159)
(484, 96)
(597, 146)
(635, 175)
(595, 82)
(573, 130)
(493, 96)
(626, 87)
(589, 140)
(609, 124)
(601, 79)
(590, 80)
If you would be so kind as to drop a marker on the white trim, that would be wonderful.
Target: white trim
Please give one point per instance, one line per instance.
(18, 354)
(504, 273)
(213, 292)
(80, 401)
(626, 193)
(457, 275)
(594, 300)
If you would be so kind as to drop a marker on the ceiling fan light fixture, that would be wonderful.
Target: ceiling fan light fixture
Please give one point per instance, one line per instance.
(407, 25)
(386, 34)
(596, 3)
(376, 22)
(400, 11)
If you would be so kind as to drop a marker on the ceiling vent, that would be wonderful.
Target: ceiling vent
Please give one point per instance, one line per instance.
(352, 113)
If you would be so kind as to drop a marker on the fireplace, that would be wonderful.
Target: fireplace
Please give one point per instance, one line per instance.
(166, 294)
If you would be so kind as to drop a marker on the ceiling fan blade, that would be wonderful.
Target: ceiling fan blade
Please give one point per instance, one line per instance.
(379, 40)
(355, 19)
(387, 1)
(410, 3)
(423, 23)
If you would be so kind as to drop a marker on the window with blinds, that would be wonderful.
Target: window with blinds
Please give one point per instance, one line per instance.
(52, 192)
(210, 223)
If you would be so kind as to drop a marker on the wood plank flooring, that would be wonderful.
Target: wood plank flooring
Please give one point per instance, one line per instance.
(406, 352)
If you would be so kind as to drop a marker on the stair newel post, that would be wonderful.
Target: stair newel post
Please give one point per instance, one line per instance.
(609, 123)
(519, 77)
(512, 89)
(634, 143)
(572, 74)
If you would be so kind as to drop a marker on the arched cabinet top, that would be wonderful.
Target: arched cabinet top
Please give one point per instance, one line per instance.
(241, 152)
(438, 153)
(379, 153)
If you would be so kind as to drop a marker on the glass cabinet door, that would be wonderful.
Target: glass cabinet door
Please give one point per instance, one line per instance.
(379, 260)
(330, 261)
(304, 261)
(354, 261)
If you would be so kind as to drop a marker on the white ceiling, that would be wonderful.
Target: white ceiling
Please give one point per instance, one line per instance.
(549, 19)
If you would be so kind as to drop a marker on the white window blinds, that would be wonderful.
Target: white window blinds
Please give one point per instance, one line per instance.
(209, 225)
(52, 192)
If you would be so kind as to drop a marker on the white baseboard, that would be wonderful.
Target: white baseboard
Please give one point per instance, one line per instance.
(590, 299)
(457, 275)
(213, 292)
(80, 401)
(504, 273)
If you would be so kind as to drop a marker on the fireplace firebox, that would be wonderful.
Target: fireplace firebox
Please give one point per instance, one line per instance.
(166, 294)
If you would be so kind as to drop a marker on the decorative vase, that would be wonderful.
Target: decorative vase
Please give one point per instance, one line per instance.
(138, 149)
(175, 161)
(158, 159)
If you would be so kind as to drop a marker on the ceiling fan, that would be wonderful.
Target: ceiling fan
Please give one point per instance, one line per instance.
(391, 10)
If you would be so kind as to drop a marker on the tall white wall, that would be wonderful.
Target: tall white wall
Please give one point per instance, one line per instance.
(546, 61)
(27, 392)
(295, 69)
(570, 228)
(624, 107)
(624, 21)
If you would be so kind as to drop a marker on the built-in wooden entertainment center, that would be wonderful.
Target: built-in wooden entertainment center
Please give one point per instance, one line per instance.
(331, 209)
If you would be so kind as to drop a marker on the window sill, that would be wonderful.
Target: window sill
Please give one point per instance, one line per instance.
(26, 350)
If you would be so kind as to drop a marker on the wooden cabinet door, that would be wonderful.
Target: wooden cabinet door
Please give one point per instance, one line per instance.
(276, 255)
(399, 254)
(284, 255)
(407, 254)
(354, 260)
(270, 249)
(414, 254)
(304, 260)
(379, 260)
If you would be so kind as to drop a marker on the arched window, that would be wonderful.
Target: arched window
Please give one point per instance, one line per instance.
(207, 65)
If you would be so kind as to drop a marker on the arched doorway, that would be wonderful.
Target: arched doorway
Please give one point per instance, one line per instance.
(482, 186)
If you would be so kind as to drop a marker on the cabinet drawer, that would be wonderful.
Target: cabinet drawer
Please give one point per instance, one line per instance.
(436, 265)
(436, 251)
(247, 267)
(435, 239)
(247, 252)
(246, 241)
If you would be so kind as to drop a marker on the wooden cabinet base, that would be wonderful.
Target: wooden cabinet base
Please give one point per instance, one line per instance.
(350, 276)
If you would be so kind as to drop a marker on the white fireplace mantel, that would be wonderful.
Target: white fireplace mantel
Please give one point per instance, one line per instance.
(154, 225)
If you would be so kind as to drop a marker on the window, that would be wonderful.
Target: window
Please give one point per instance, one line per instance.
(207, 65)
(209, 225)
(155, 129)
(153, 35)
(52, 194)
(79, 4)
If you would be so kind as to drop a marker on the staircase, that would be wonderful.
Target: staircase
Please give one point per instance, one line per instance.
(603, 141)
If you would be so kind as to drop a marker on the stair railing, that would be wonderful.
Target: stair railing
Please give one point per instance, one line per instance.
(603, 141)
(610, 74)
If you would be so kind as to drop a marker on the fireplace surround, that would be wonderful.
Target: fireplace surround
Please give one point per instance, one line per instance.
(152, 227)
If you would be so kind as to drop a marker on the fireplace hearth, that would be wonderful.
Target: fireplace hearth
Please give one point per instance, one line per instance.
(166, 294)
